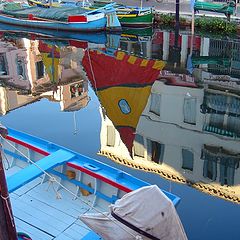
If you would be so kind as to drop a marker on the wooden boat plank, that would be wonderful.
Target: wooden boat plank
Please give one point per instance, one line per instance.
(35, 233)
(63, 236)
(74, 208)
(52, 212)
(56, 211)
(14, 196)
(31, 172)
(75, 232)
(41, 220)
(26, 188)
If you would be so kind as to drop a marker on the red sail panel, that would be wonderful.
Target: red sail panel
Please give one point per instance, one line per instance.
(46, 48)
(127, 135)
(120, 70)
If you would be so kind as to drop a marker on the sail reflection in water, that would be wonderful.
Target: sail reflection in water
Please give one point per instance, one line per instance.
(120, 82)
(174, 124)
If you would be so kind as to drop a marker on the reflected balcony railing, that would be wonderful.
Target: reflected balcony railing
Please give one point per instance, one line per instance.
(221, 103)
(228, 164)
(220, 131)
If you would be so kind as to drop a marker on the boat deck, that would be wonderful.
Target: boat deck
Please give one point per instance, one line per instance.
(45, 213)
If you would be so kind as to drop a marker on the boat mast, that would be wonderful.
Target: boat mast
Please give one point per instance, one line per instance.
(7, 225)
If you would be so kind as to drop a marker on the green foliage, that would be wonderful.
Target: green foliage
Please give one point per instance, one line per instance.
(167, 19)
(206, 24)
(215, 25)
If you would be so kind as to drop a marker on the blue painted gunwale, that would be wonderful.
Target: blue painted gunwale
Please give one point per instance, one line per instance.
(113, 176)
(92, 26)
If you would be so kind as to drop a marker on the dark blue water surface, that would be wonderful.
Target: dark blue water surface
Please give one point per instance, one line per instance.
(193, 128)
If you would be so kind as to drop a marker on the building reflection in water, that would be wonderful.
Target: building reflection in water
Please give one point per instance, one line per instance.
(188, 131)
(31, 70)
(15, 82)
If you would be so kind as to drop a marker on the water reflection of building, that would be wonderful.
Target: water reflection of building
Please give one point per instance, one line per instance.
(172, 139)
(137, 42)
(207, 60)
(34, 69)
(14, 77)
(216, 56)
(13, 59)
(63, 78)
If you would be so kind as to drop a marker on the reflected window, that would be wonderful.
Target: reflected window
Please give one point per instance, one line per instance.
(155, 151)
(76, 90)
(216, 120)
(155, 103)
(210, 169)
(234, 106)
(110, 136)
(210, 163)
(138, 146)
(233, 125)
(3, 65)
(189, 110)
(40, 69)
(187, 159)
(124, 46)
(21, 68)
(227, 170)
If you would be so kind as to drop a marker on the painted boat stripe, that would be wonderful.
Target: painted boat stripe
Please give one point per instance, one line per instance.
(100, 177)
(38, 150)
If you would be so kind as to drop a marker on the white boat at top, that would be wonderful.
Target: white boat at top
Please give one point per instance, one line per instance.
(52, 188)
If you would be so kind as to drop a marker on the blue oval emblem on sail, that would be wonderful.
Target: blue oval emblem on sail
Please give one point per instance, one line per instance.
(124, 106)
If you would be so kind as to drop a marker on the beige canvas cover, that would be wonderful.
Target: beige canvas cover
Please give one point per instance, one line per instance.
(146, 208)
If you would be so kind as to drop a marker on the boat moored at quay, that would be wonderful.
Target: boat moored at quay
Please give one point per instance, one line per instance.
(54, 190)
(64, 18)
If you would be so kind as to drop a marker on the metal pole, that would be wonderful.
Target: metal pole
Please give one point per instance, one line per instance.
(193, 21)
(7, 225)
(177, 26)
(177, 15)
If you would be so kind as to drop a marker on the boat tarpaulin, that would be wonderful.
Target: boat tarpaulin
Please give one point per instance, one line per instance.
(55, 13)
(145, 212)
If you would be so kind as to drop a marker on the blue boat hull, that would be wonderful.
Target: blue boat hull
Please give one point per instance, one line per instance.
(92, 26)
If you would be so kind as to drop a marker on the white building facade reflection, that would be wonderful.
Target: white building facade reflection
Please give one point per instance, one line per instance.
(173, 140)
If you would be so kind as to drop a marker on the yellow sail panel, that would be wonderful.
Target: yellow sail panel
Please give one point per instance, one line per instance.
(124, 105)
(159, 65)
(132, 59)
(120, 55)
(51, 65)
(144, 63)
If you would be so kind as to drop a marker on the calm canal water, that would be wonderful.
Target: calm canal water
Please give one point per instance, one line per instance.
(158, 101)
